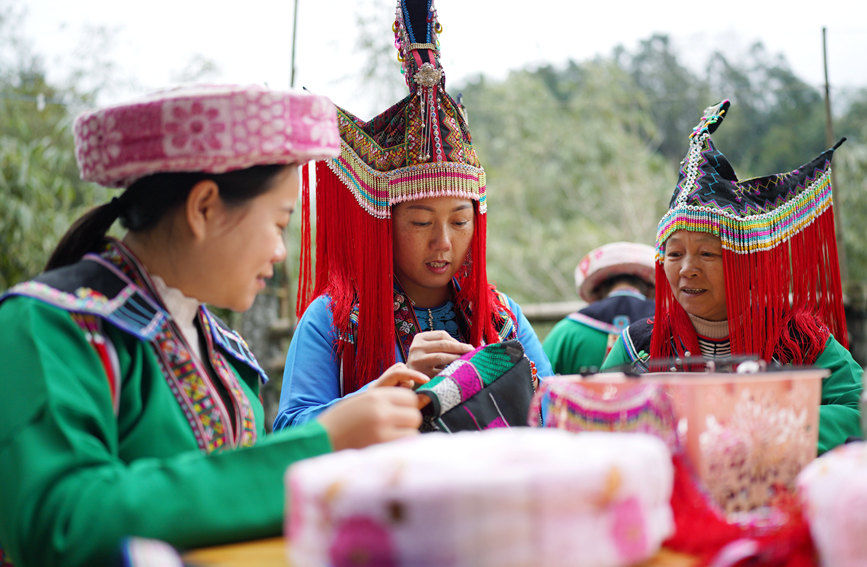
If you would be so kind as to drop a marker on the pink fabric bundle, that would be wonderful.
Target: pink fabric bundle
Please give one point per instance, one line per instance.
(210, 128)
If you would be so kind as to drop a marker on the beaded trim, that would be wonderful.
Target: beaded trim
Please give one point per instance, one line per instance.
(376, 191)
(751, 233)
(594, 323)
(758, 227)
(431, 46)
(130, 310)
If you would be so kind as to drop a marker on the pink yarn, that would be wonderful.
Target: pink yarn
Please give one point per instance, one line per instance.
(210, 128)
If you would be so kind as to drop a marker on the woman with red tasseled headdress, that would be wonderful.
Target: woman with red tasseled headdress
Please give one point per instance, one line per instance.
(750, 268)
(400, 244)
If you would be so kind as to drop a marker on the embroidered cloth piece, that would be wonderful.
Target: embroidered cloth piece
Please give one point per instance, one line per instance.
(209, 128)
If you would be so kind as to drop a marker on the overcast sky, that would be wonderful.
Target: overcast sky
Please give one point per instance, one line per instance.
(250, 41)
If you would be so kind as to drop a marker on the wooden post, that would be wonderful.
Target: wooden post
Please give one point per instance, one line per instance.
(835, 191)
(286, 304)
(292, 54)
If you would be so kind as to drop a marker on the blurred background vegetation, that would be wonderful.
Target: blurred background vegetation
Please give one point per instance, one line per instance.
(576, 155)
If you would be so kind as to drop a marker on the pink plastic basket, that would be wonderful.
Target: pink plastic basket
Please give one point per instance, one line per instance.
(745, 434)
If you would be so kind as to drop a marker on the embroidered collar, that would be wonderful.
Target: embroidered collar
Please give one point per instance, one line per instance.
(406, 320)
(184, 311)
(216, 422)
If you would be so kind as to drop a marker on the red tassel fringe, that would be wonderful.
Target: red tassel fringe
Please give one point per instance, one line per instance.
(673, 333)
(782, 303)
(474, 287)
(702, 531)
(305, 284)
(354, 265)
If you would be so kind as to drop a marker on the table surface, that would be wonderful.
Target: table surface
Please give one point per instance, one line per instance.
(272, 553)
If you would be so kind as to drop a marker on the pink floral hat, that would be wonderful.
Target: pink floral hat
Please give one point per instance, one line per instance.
(608, 260)
(210, 128)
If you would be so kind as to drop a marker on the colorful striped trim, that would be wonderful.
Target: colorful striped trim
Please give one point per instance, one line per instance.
(376, 191)
(633, 407)
(192, 386)
(130, 310)
(630, 348)
(593, 323)
(92, 327)
(745, 234)
(245, 418)
(234, 344)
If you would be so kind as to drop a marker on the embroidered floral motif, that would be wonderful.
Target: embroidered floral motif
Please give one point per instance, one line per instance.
(196, 126)
(321, 132)
(100, 142)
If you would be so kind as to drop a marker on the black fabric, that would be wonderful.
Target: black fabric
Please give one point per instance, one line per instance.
(83, 273)
(640, 334)
(415, 15)
(718, 187)
(615, 306)
(506, 399)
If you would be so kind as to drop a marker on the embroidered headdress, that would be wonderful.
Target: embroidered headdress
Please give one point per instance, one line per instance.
(418, 148)
(609, 260)
(206, 128)
(779, 252)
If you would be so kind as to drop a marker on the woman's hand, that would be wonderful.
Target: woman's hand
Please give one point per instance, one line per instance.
(399, 374)
(374, 416)
(431, 351)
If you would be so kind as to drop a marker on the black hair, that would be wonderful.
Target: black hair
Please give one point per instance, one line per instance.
(149, 199)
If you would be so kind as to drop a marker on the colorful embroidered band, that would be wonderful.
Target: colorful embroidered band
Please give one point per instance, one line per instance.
(748, 216)
(377, 191)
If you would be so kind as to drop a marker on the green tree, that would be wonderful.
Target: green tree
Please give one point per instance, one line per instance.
(675, 94)
(39, 183)
(569, 166)
(850, 169)
(776, 122)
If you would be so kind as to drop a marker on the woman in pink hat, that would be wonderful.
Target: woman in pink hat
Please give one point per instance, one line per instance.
(616, 281)
(128, 409)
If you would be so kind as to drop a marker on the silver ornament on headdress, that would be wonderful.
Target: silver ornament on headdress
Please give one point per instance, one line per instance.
(428, 76)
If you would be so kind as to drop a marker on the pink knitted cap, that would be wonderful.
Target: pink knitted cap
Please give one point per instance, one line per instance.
(209, 128)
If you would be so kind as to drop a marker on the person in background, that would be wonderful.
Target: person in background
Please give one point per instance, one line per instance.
(749, 268)
(400, 245)
(129, 410)
(616, 281)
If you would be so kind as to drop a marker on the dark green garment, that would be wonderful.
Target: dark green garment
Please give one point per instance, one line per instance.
(839, 414)
(75, 478)
(573, 347)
